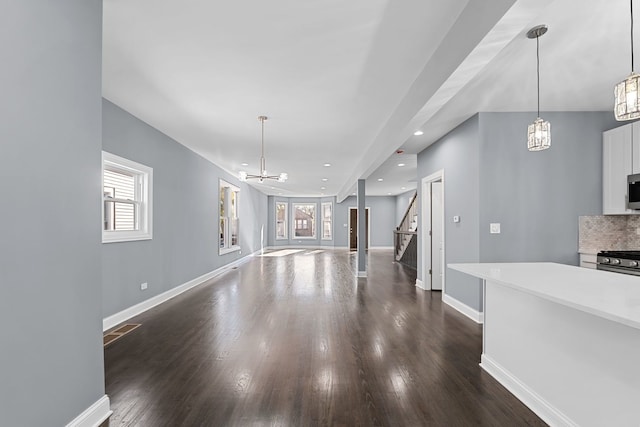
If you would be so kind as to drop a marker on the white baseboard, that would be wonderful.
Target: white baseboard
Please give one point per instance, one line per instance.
(380, 247)
(531, 399)
(463, 308)
(94, 415)
(420, 284)
(117, 318)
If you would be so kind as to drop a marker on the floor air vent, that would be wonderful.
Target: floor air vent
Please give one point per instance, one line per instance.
(123, 330)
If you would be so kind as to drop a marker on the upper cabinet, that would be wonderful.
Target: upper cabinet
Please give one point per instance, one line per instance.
(621, 157)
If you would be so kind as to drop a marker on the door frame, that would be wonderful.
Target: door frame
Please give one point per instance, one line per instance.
(425, 218)
(368, 214)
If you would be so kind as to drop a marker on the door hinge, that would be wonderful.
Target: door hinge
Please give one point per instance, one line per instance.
(430, 271)
(429, 232)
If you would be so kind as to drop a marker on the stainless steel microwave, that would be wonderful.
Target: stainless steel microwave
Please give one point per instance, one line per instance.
(633, 193)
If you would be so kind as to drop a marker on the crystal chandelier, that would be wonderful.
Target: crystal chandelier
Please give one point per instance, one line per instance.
(244, 176)
(627, 96)
(539, 132)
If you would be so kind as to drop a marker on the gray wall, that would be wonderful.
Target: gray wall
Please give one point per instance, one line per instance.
(402, 203)
(457, 154)
(185, 216)
(382, 217)
(51, 359)
(537, 197)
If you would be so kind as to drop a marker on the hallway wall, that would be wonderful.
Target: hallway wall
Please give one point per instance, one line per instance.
(185, 216)
(51, 359)
(490, 176)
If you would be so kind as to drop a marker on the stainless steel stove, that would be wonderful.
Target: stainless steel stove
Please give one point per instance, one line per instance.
(627, 262)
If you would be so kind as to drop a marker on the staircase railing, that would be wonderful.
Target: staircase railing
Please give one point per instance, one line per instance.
(405, 235)
(409, 215)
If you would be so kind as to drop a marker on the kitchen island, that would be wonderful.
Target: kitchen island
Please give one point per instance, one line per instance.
(565, 340)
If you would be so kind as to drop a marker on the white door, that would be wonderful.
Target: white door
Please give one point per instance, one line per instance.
(437, 255)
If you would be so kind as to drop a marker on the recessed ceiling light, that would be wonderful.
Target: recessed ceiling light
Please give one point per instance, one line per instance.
(401, 164)
(389, 194)
(326, 165)
(244, 164)
(323, 188)
(403, 188)
(380, 179)
(325, 179)
(353, 194)
(418, 133)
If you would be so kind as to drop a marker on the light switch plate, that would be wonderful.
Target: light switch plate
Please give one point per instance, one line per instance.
(494, 228)
(456, 218)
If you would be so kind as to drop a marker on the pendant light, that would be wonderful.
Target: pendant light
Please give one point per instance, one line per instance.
(627, 96)
(244, 176)
(539, 132)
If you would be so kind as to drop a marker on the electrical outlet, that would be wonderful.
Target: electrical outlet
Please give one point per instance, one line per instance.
(494, 228)
(143, 286)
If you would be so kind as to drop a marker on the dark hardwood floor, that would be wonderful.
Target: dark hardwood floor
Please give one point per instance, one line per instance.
(297, 341)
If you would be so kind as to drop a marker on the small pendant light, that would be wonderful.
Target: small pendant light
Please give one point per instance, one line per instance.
(627, 95)
(539, 132)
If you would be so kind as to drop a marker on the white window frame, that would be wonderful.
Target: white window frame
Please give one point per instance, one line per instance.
(286, 217)
(143, 199)
(228, 247)
(313, 227)
(323, 220)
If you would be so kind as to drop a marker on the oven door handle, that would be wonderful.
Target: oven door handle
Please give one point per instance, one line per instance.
(614, 269)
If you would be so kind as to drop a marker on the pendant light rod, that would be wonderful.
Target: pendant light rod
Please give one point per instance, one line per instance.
(632, 62)
(263, 162)
(538, 70)
(536, 32)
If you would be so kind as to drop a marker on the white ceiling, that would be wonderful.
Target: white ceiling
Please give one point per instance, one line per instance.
(347, 83)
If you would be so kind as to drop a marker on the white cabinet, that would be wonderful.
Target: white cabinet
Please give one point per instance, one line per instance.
(588, 260)
(621, 157)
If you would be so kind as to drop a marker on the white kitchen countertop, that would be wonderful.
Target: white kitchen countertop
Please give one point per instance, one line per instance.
(613, 296)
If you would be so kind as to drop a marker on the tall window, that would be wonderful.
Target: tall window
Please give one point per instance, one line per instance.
(126, 199)
(304, 220)
(327, 219)
(229, 224)
(281, 220)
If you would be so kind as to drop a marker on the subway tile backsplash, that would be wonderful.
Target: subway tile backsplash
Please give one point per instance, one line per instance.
(608, 232)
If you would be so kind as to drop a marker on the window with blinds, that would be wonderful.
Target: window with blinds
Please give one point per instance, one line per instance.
(120, 206)
(126, 191)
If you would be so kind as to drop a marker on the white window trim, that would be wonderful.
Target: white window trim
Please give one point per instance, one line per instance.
(330, 220)
(286, 220)
(234, 248)
(315, 222)
(146, 200)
